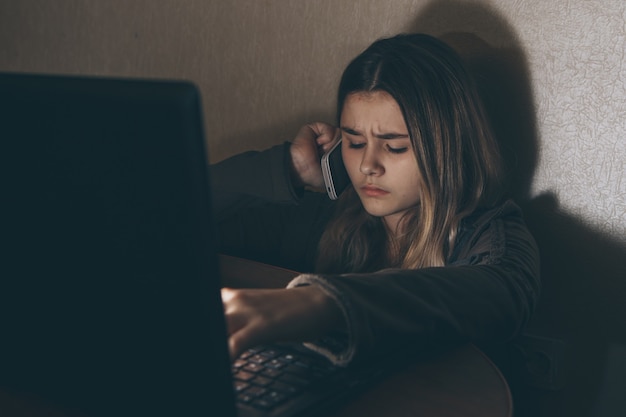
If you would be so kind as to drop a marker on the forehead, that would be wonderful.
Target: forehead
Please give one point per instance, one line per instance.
(370, 97)
(362, 108)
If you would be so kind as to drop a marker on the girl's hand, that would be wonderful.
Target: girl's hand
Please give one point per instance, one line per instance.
(311, 142)
(258, 316)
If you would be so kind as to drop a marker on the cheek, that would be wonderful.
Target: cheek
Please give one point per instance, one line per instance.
(409, 177)
(351, 162)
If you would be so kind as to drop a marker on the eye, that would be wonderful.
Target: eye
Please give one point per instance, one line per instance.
(397, 150)
(354, 145)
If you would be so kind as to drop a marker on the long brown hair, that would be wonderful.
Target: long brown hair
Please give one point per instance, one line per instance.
(457, 157)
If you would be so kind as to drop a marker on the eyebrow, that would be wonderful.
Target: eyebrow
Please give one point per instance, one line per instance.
(389, 135)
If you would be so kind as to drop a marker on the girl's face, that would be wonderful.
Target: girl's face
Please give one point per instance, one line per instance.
(379, 156)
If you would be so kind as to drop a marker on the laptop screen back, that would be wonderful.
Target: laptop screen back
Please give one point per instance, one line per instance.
(109, 286)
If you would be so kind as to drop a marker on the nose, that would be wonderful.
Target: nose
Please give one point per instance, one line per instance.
(370, 164)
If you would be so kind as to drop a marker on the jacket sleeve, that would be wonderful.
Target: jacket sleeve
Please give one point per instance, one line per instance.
(487, 295)
(251, 179)
(260, 215)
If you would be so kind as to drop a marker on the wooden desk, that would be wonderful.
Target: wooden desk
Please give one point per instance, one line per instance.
(463, 382)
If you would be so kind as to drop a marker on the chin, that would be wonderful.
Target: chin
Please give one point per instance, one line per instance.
(376, 211)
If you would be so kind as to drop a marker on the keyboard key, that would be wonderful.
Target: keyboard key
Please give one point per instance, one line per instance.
(283, 388)
(275, 364)
(301, 371)
(239, 363)
(253, 367)
(262, 381)
(263, 403)
(240, 385)
(271, 373)
(245, 398)
(243, 375)
(269, 353)
(294, 380)
(255, 391)
(269, 400)
(276, 397)
(259, 358)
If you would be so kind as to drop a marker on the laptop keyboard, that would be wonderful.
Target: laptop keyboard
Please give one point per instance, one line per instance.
(267, 377)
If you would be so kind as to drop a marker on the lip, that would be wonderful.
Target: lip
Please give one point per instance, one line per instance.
(373, 191)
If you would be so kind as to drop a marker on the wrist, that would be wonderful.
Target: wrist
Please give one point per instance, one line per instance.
(328, 315)
(295, 167)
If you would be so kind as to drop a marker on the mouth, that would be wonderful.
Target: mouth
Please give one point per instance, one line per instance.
(373, 191)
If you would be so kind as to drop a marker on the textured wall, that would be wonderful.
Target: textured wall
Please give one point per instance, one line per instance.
(577, 53)
(265, 67)
(553, 74)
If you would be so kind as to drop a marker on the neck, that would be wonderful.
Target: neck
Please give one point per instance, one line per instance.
(394, 226)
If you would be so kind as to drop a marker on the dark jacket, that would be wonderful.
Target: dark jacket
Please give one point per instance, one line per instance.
(485, 294)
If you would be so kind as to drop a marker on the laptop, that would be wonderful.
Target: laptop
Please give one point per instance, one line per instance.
(109, 287)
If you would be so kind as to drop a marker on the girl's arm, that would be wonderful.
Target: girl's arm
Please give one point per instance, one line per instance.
(488, 295)
(252, 179)
(275, 175)
(261, 207)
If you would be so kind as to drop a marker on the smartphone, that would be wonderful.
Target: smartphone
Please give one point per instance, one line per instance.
(336, 178)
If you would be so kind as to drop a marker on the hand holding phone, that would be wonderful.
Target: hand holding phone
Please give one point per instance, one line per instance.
(336, 177)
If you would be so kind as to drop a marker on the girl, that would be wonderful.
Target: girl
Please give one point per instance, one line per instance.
(422, 250)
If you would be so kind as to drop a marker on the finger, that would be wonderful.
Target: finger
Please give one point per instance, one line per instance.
(233, 320)
(326, 146)
(235, 348)
(246, 337)
(227, 294)
(323, 131)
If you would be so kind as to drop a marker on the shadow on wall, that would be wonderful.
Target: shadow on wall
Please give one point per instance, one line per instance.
(572, 361)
